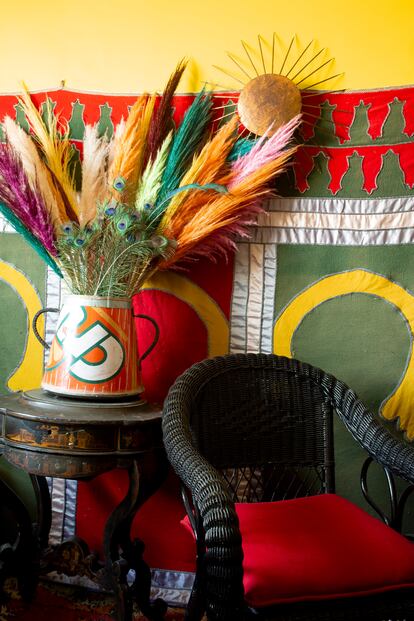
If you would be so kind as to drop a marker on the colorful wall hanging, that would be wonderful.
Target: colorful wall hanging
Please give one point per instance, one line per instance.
(328, 276)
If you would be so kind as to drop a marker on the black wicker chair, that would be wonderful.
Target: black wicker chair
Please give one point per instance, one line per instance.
(255, 427)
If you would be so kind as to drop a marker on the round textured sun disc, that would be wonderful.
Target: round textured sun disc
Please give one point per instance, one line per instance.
(268, 100)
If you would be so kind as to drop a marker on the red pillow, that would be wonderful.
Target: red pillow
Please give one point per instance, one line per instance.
(319, 547)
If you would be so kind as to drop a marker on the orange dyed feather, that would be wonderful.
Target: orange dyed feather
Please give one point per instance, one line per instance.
(223, 210)
(129, 156)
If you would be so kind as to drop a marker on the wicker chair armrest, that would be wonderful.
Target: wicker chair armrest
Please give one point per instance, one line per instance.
(223, 550)
(385, 448)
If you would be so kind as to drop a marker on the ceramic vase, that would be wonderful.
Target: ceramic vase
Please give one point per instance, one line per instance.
(94, 351)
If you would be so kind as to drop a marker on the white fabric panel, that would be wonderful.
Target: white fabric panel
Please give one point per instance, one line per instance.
(53, 287)
(269, 283)
(255, 298)
(337, 237)
(58, 510)
(174, 587)
(352, 222)
(343, 205)
(69, 520)
(238, 317)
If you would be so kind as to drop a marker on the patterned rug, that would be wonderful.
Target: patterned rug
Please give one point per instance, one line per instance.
(66, 603)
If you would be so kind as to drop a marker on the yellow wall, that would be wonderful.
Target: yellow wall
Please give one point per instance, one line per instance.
(132, 45)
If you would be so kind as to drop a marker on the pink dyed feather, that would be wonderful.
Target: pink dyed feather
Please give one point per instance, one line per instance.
(264, 151)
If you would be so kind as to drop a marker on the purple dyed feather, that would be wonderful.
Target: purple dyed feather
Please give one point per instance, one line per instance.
(26, 203)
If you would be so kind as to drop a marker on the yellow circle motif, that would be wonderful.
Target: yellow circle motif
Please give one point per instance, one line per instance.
(206, 308)
(28, 374)
(401, 402)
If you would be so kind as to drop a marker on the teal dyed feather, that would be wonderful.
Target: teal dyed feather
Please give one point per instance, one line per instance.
(29, 237)
(240, 148)
(186, 143)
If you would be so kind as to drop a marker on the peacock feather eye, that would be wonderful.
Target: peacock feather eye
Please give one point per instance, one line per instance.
(122, 224)
(109, 211)
(147, 206)
(119, 184)
(67, 228)
(80, 241)
(159, 242)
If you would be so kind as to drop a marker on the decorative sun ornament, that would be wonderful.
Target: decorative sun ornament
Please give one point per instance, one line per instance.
(272, 96)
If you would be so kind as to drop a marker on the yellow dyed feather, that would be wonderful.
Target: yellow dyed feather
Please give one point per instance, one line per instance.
(37, 172)
(56, 149)
(223, 210)
(207, 167)
(129, 157)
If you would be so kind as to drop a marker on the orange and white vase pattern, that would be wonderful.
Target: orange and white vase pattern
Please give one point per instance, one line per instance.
(94, 351)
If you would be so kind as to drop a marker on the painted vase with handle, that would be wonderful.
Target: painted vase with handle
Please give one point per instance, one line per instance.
(94, 351)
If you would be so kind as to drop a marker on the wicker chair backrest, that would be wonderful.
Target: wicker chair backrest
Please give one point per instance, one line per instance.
(267, 425)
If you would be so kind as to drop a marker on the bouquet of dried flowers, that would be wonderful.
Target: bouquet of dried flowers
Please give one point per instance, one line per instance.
(152, 196)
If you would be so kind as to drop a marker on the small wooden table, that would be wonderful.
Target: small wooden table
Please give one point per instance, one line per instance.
(51, 436)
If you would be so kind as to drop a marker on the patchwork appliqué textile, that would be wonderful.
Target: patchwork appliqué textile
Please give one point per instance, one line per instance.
(327, 276)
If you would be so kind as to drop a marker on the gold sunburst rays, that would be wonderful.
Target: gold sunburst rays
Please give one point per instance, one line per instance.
(271, 96)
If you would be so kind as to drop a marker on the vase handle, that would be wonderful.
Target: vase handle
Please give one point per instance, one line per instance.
(156, 335)
(34, 325)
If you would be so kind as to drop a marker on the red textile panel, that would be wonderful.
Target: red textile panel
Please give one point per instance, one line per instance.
(168, 544)
(184, 337)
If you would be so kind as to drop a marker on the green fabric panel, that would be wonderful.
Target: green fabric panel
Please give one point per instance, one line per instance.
(354, 332)
(105, 125)
(299, 266)
(390, 177)
(349, 458)
(76, 122)
(13, 331)
(393, 130)
(350, 333)
(324, 129)
(21, 118)
(13, 318)
(358, 131)
(353, 179)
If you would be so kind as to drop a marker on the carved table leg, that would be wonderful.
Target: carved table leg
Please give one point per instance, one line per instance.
(16, 556)
(41, 529)
(121, 555)
(43, 509)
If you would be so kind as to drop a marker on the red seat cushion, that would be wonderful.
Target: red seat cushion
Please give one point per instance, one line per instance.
(319, 547)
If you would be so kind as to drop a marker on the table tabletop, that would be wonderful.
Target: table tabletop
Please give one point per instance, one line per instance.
(49, 435)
